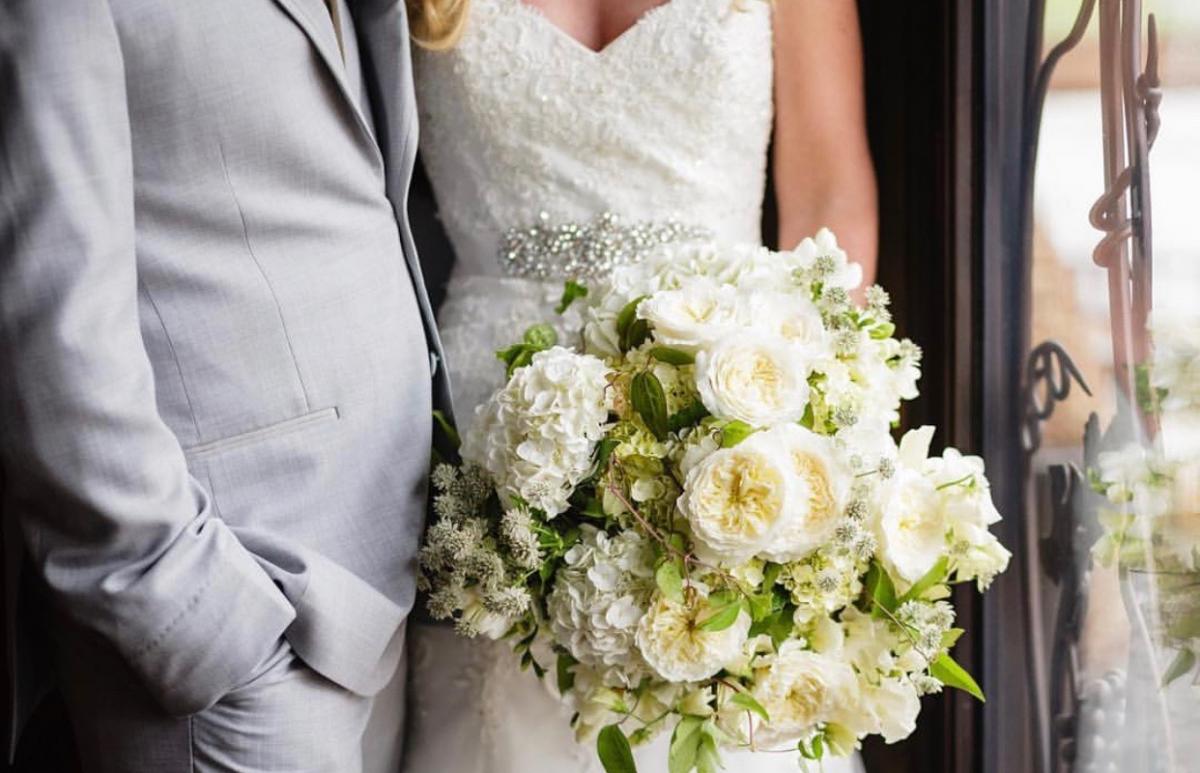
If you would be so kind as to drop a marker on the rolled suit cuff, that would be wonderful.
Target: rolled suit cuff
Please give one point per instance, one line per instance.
(346, 630)
(220, 632)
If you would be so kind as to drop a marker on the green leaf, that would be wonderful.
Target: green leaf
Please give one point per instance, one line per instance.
(1183, 663)
(935, 576)
(613, 749)
(761, 606)
(708, 759)
(883, 330)
(951, 674)
(950, 637)
(541, 336)
(735, 432)
(669, 582)
(685, 743)
(650, 401)
(572, 291)
(687, 417)
(723, 618)
(604, 450)
(771, 575)
(746, 701)
(672, 356)
(627, 320)
(447, 429)
(880, 590)
(638, 332)
(565, 676)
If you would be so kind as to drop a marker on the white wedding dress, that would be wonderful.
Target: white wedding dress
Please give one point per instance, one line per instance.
(549, 161)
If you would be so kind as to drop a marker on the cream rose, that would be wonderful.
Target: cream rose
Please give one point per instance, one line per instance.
(678, 650)
(697, 314)
(800, 690)
(823, 481)
(755, 378)
(735, 498)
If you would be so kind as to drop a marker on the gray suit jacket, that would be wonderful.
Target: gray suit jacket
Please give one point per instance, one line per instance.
(214, 376)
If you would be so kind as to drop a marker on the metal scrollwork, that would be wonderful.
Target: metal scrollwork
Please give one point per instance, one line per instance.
(1130, 98)
(1049, 373)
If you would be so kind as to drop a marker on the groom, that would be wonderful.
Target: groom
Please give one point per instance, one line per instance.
(216, 375)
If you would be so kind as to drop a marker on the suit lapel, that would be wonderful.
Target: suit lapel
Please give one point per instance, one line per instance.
(312, 16)
(382, 29)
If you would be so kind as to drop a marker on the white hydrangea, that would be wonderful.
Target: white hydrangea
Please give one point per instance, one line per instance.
(678, 649)
(535, 436)
(599, 597)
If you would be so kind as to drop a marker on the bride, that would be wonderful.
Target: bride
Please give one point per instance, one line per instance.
(562, 138)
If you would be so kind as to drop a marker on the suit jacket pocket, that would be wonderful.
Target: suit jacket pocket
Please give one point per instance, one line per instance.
(295, 424)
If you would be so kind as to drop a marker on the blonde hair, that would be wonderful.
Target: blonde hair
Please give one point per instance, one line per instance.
(437, 24)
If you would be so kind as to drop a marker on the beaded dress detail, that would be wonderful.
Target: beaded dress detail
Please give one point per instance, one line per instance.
(550, 161)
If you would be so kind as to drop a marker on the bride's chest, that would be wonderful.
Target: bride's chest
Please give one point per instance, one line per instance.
(684, 71)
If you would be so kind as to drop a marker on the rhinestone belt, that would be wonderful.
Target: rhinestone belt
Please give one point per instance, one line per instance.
(578, 250)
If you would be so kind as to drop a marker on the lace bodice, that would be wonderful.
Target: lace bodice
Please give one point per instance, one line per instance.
(522, 125)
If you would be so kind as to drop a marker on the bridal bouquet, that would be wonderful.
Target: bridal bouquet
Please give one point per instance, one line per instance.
(696, 520)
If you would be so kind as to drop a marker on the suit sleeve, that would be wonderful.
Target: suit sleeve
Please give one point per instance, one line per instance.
(112, 520)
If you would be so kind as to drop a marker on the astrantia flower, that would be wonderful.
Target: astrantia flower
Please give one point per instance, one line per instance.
(736, 498)
(536, 435)
(599, 597)
(801, 690)
(679, 650)
(758, 379)
(698, 313)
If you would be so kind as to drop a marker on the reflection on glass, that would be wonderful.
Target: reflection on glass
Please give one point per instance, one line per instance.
(1137, 673)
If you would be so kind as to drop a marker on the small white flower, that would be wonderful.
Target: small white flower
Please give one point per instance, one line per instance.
(758, 379)
(912, 527)
(679, 650)
(891, 708)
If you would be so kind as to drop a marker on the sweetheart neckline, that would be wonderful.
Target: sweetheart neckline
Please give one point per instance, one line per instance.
(598, 53)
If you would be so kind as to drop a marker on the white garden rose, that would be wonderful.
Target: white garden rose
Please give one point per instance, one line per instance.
(599, 597)
(699, 313)
(736, 498)
(755, 378)
(823, 481)
(793, 318)
(678, 650)
(535, 436)
(801, 690)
